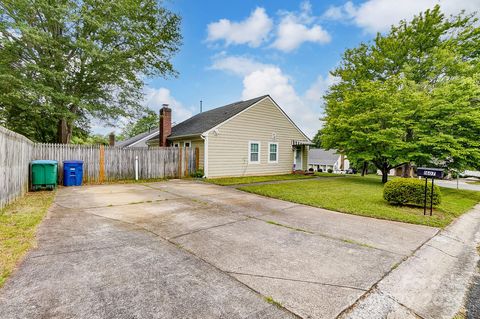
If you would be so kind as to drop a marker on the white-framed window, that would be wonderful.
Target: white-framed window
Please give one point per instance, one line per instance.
(273, 152)
(175, 144)
(187, 144)
(253, 152)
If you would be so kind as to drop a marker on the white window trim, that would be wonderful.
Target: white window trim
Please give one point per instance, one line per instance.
(185, 142)
(176, 144)
(269, 161)
(250, 152)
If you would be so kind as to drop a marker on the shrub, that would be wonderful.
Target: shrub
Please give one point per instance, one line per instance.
(198, 173)
(310, 169)
(320, 170)
(329, 170)
(402, 191)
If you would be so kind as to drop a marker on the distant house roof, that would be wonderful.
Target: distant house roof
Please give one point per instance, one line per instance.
(207, 120)
(138, 140)
(318, 156)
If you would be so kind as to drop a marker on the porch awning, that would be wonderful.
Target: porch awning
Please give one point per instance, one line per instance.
(298, 143)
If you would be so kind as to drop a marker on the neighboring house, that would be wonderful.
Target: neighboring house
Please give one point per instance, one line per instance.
(320, 159)
(253, 137)
(400, 171)
(139, 140)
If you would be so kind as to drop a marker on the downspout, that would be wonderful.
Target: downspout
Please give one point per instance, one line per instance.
(205, 154)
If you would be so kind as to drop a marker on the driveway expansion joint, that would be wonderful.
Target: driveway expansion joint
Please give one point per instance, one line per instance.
(78, 251)
(206, 228)
(344, 240)
(297, 280)
(375, 285)
(441, 250)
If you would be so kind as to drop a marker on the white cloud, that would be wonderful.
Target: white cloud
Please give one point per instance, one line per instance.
(238, 65)
(260, 78)
(271, 80)
(378, 15)
(295, 28)
(154, 98)
(318, 89)
(346, 11)
(252, 31)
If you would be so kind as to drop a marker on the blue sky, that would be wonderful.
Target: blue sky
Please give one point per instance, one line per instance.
(234, 50)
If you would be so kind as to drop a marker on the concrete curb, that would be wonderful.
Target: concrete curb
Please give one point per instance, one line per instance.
(433, 282)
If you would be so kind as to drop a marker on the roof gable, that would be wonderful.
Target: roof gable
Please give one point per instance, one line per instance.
(207, 120)
(275, 105)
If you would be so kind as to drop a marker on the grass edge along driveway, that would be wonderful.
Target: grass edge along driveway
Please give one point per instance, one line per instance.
(228, 181)
(364, 196)
(18, 225)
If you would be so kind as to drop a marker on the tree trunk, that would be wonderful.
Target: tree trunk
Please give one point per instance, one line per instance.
(406, 170)
(384, 177)
(384, 173)
(365, 168)
(64, 131)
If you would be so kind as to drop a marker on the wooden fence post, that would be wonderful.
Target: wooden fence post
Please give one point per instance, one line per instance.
(187, 157)
(180, 161)
(101, 174)
(197, 158)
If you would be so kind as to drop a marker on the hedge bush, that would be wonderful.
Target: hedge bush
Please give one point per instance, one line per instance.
(402, 191)
(198, 173)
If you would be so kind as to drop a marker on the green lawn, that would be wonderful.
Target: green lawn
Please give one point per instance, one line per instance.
(326, 174)
(254, 179)
(364, 196)
(18, 223)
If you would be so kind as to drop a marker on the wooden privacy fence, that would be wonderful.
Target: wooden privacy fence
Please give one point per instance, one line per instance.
(100, 163)
(15, 155)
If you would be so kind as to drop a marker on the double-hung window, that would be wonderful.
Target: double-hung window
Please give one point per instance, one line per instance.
(254, 152)
(273, 152)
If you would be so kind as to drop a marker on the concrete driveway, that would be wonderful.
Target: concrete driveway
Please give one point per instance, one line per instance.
(462, 183)
(185, 249)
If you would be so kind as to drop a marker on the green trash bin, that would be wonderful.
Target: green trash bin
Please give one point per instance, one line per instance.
(44, 174)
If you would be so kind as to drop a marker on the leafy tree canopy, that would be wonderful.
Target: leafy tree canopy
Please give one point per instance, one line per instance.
(410, 96)
(64, 63)
(144, 124)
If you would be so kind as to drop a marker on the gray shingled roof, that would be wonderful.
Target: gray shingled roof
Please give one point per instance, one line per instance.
(318, 156)
(135, 138)
(204, 121)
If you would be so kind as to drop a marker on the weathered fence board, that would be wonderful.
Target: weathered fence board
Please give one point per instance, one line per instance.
(15, 156)
(100, 163)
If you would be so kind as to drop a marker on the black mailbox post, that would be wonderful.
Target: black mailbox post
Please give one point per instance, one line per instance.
(429, 173)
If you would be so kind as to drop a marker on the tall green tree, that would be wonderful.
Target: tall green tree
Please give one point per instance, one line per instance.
(64, 63)
(396, 104)
(146, 123)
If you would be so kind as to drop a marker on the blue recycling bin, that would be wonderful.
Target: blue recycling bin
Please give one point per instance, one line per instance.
(72, 173)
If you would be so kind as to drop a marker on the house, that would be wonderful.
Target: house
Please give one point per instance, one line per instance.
(324, 160)
(253, 137)
(139, 140)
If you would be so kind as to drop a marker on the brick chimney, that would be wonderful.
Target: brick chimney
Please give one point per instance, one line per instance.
(165, 124)
(111, 139)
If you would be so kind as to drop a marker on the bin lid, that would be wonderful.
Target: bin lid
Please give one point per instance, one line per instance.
(72, 162)
(44, 162)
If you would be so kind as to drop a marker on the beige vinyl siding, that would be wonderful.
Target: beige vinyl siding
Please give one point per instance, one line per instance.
(195, 142)
(228, 146)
